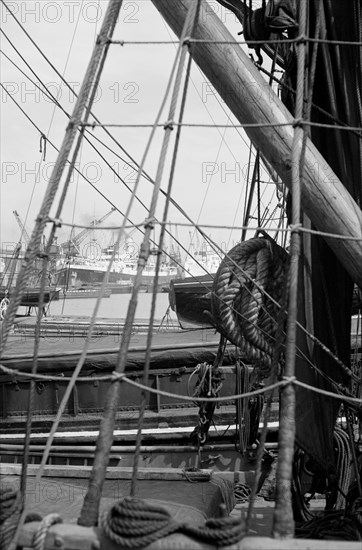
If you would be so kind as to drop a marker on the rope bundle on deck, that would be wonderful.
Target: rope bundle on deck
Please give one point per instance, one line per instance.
(241, 310)
(334, 525)
(134, 523)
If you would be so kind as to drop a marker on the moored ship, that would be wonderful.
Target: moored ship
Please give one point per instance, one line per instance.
(78, 271)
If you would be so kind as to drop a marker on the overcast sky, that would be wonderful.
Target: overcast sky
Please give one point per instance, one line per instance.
(212, 163)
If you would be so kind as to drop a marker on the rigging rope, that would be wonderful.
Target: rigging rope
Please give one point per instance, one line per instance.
(99, 55)
(242, 407)
(55, 177)
(192, 22)
(89, 513)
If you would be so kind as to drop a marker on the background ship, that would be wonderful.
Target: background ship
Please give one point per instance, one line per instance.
(84, 261)
(73, 272)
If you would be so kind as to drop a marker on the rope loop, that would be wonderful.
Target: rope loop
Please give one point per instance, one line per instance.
(246, 294)
(42, 532)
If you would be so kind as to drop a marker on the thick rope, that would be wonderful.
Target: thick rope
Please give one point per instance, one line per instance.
(283, 522)
(134, 523)
(191, 23)
(240, 310)
(42, 532)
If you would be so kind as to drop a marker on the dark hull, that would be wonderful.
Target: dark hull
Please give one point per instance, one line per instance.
(87, 293)
(30, 297)
(190, 300)
(174, 355)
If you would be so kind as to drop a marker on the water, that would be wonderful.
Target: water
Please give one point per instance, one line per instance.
(114, 307)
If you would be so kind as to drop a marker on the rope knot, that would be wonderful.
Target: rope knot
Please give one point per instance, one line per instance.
(187, 41)
(298, 122)
(301, 39)
(57, 222)
(149, 223)
(288, 379)
(118, 376)
(294, 228)
(43, 145)
(168, 125)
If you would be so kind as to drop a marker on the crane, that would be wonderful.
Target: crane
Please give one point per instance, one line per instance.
(71, 246)
(24, 233)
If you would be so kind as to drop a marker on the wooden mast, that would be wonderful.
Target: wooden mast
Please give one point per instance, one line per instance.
(324, 198)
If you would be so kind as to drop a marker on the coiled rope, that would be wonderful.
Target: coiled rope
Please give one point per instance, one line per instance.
(241, 310)
(341, 523)
(336, 525)
(10, 512)
(134, 523)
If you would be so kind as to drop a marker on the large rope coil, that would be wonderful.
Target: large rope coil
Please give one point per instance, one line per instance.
(135, 523)
(241, 308)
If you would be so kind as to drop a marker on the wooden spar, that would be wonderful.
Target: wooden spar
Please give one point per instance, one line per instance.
(324, 198)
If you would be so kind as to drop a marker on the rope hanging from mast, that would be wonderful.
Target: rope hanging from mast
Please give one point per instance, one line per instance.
(240, 308)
